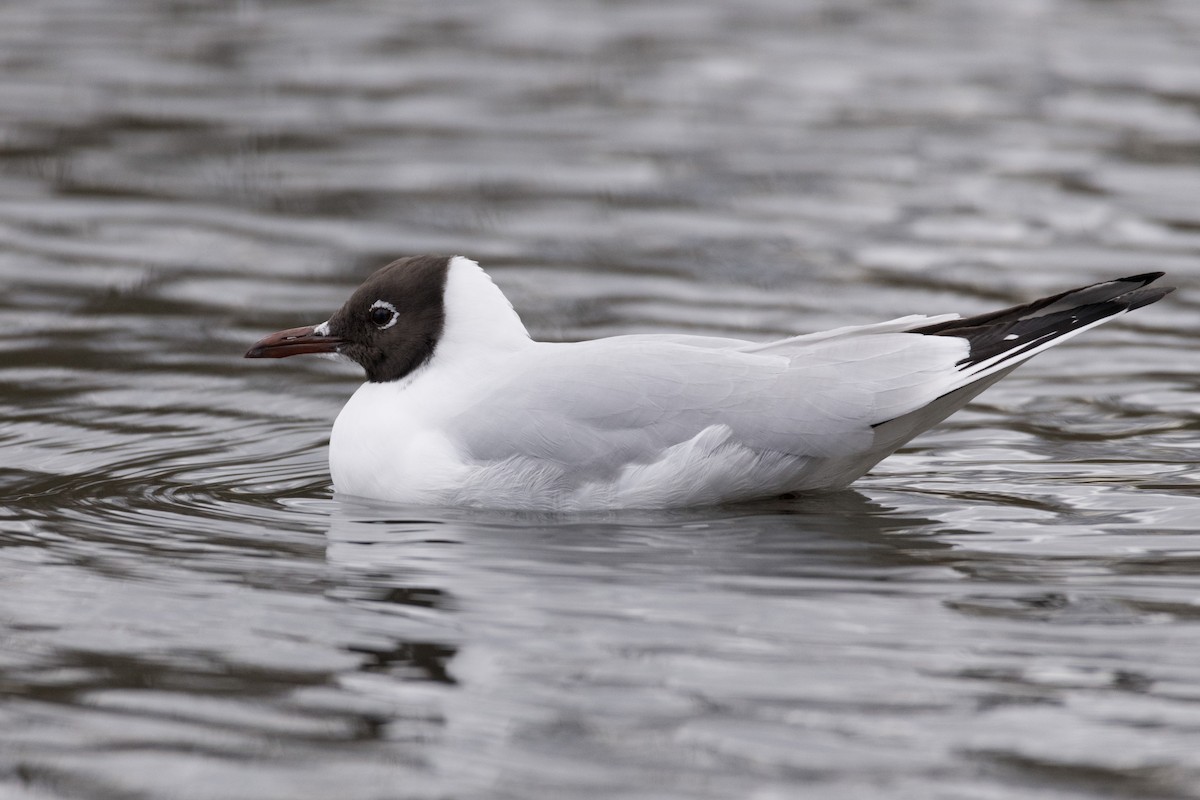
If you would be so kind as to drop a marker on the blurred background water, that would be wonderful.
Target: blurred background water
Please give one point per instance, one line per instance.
(1009, 608)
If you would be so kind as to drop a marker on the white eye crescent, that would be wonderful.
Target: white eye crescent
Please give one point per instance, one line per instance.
(383, 314)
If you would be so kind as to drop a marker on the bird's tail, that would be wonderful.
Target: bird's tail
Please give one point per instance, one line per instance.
(1002, 340)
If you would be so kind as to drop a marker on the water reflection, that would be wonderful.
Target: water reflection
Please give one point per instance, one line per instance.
(538, 610)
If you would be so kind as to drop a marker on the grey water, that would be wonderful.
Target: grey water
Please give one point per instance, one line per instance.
(1008, 608)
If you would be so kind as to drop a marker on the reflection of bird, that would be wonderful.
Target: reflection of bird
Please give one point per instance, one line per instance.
(462, 407)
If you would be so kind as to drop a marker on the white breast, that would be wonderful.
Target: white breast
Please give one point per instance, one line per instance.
(388, 444)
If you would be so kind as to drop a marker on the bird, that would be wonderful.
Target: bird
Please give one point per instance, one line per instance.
(461, 407)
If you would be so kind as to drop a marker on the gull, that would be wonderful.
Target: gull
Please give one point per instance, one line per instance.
(462, 408)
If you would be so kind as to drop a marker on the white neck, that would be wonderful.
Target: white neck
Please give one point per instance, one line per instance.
(478, 315)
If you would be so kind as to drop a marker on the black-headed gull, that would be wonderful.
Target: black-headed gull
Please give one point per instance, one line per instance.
(462, 407)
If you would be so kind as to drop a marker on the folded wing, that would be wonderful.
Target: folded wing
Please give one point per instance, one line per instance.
(835, 403)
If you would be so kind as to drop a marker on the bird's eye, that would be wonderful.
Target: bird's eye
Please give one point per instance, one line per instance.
(383, 314)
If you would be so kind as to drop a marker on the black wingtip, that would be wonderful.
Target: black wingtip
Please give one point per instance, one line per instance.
(1143, 279)
(1020, 331)
(1144, 297)
(1136, 298)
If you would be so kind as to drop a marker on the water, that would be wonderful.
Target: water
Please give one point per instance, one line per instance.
(1009, 608)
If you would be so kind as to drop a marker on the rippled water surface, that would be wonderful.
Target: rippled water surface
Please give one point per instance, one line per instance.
(1009, 608)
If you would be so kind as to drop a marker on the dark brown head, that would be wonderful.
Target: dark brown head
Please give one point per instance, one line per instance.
(390, 325)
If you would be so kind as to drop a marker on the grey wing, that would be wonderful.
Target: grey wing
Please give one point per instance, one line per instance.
(607, 403)
(610, 402)
(841, 399)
